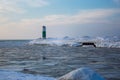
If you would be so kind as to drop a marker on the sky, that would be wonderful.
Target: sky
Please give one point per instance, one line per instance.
(23, 19)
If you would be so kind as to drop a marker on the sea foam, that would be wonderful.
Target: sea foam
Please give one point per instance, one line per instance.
(109, 42)
(78, 74)
(11, 75)
(82, 74)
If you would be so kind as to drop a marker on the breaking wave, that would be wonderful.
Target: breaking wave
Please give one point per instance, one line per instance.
(11, 75)
(78, 74)
(109, 42)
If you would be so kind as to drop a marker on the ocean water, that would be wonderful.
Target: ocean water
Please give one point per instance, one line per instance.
(56, 57)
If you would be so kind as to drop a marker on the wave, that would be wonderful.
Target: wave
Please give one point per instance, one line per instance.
(78, 74)
(109, 42)
(11, 75)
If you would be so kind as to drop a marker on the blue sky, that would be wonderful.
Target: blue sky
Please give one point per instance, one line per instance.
(23, 19)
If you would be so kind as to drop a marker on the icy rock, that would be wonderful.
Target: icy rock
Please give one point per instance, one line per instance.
(82, 74)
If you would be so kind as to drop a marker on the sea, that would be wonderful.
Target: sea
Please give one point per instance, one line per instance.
(55, 57)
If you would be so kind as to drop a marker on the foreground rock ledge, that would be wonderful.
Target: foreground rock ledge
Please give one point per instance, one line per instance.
(82, 74)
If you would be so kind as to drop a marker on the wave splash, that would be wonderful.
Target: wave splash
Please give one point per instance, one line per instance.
(78, 74)
(109, 42)
(11, 75)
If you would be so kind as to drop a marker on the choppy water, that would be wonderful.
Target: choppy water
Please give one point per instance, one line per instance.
(56, 61)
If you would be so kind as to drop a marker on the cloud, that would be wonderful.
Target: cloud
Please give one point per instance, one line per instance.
(3, 20)
(87, 17)
(36, 3)
(16, 5)
(31, 27)
(83, 17)
(7, 6)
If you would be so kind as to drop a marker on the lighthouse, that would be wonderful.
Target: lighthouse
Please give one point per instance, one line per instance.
(44, 32)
